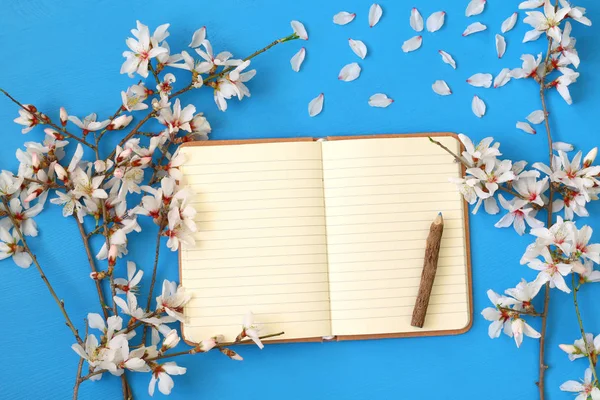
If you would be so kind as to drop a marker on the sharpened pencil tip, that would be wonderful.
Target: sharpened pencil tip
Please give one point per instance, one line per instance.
(439, 219)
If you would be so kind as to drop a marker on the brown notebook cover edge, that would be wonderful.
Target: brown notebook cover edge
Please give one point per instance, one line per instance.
(449, 332)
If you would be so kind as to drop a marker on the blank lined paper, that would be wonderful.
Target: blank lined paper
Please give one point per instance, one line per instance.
(261, 240)
(381, 196)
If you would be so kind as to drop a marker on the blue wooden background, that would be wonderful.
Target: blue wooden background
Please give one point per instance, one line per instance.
(68, 53)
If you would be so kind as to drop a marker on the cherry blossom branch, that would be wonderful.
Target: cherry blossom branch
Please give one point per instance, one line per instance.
(211, 77)
(45, 120)
(183, 353)
(153, 281)
(543, 366)
(582, 330)
(529, 313)
(90, 257)
(46, 185)
(60, 303)
(133, 132)
(80, 365)
(462, 161)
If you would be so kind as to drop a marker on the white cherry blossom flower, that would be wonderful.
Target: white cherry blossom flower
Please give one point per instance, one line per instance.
(89, 123)
(579, 348)
(551, 271)
(161, 373)
(585, 389)
(547, 22)
(123, 285)
(24, 217)
(532, 189)
(524, 292)
(517, 216)
(530, 67)
(588, 274)
(250, 330)
(171, 340)
(576, 13)
(133, 99)
(478, 155)
(520, 328)
(560, 235)
(27, 118)
(10, 247)
(172, 299)
(500, 319)
(177, 118)
(142, 51)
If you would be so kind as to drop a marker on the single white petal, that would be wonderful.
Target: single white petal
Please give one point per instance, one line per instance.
(299, 30)
(500, 45)
(528, 5)
(316, 105)
(474, 28)
(358, 47)
(475, 7)
(503, 78)
(509, 22)
(349, 73)
(375, 13)
(532, 35)
(563, 90)
(416, 20)
(298, 59)
(562, 146)
(480, 80)
(441, 88)
(380, 100)
(198, 37)
(436, 21)
(524, 126)
(412, 44)
(478, 107)
(536, 117)
(447, 58)
(343, 18)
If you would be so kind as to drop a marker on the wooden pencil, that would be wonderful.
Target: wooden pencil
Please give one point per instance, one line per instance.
(432, 252)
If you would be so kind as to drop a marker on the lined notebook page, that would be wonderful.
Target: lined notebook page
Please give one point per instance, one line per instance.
(381, 196)
(261, 242)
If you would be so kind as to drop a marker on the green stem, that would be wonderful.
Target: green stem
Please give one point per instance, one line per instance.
(582, 330)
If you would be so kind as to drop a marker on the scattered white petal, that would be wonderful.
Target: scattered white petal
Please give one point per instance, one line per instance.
(474, 28)
(416, 20)
(510, 22)
(525, 127)
(447, 58)
(500, 45)
(478, 107)
(562, 146)
(475, 7)
(343, 18)
(436, 21)
(480, 80)
(528, 5)
(375, 13)
(316, 105)
(358, 47)
(441, 88)
(349, 73)
(198, 37)
(503, 78)
(536, 117)
(298, 59)
(299, 30)
(412, 44)
(380, 100)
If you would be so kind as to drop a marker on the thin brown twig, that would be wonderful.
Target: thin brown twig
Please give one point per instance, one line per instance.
(58, 301)
(529, 313)
(80, 364)
(211, 77)
(183, 353)
(90, 257)
(153, 280)
(132, 132)
(45, 120)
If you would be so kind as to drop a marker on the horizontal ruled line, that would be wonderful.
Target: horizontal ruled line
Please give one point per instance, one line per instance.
(260, 304)
(270, 208)
(263, 285)
(394, 231)
(445, 180)
(264, 313)
(398, 203)
(396, 316)
(274, 255)
(244, 200)
(252, 162)
(309, 321)
(254, 294)
(393, 268)
(375, 241)
(383, 251)
(395, 287)
(261, 190)
(260, 237)
(261, 265)
(411, 306)
(253, 180)
(257, 247)
(395, 297)
(257, 276)
(447, 156)
(386, 222)
(383, 166)
(263, 227)
(389, 278)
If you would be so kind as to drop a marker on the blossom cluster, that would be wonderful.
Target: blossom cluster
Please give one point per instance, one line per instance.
(103, 192)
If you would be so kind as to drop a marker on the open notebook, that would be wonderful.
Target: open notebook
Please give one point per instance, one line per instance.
(324, 238)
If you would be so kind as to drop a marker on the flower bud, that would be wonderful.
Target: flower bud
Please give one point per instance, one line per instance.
(569, 348)
(60, 172)
(112, 255)
(63, 116)
(590, 157)
(170, 341)
(119, 122)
